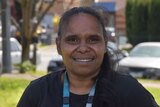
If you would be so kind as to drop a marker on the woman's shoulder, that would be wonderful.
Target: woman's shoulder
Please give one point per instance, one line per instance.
(39, 90)
(46, 80)
(124, 79)
(131, 91)
(126, 83)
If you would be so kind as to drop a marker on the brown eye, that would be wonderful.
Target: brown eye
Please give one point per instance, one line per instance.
(94, 39)
(72, 40)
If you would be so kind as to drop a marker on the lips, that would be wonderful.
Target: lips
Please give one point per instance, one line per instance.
(83, 59)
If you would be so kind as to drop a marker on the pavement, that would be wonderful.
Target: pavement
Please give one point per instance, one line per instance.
(151, 84)
(15, 73)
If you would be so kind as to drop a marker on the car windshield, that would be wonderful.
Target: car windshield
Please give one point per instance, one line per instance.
(145, 51)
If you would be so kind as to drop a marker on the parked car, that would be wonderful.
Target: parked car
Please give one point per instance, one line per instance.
(56, 63)
(16, 52)
(115, 53)
(143, 61)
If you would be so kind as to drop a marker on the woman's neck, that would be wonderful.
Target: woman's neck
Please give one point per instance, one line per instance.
(79, 85)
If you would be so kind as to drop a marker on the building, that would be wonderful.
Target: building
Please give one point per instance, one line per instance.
(116, 9)
(117, 18)
(120, 17)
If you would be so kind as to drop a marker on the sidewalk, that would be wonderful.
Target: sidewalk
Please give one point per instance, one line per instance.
(16, 74)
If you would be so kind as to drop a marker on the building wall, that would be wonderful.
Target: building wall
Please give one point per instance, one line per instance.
(120, 17)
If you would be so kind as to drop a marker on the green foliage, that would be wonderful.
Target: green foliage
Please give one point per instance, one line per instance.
(154, 20)
(27, 66)
(142, 20)
(128, 12)
(136, 18)
(37, 73)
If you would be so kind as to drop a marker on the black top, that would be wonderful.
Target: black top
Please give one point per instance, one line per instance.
(47, 91)
(78, 100)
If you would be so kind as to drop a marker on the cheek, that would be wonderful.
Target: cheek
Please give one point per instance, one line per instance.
(100, 50)
(65, 55)
(67, 51)
(100, 53)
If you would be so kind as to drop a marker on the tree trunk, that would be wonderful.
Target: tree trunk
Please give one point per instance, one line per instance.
(26, 28)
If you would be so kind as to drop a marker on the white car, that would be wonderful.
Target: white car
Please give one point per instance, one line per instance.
(143, 61)
(16, 52)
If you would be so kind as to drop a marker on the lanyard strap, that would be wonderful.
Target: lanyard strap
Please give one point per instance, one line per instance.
(66, 92)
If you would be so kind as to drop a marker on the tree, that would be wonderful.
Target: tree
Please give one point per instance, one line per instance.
(128, 17)
(137, 21)
(31, 10)
(154, 21)
(27, 27)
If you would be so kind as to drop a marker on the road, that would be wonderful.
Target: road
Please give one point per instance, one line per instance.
(46, 53)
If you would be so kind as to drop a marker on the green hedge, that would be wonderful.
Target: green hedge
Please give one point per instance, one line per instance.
(142, 21)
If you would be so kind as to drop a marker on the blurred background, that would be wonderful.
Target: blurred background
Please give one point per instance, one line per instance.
(28, 29)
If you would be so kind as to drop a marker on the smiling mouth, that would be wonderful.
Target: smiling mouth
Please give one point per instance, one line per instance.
(83, 59)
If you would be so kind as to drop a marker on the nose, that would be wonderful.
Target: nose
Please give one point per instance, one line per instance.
(83, 47)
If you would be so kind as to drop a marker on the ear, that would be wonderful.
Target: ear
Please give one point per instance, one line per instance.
(58, 45)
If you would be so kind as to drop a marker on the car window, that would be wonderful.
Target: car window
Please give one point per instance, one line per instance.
(145, 51)
(14, 47)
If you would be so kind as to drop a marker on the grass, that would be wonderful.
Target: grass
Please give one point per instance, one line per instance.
(37, 73)
(155, 91)
(12, 89)
(149, 80)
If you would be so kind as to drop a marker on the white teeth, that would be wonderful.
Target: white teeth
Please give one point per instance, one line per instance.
(83, 60)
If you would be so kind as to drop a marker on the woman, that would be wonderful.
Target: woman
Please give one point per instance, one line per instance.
(88, 79)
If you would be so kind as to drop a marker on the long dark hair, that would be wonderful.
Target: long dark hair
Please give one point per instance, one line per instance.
(106, 67)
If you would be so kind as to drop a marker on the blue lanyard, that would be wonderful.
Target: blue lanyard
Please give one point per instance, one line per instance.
(66, 93)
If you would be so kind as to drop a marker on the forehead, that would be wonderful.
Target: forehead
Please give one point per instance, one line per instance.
(81, 17)
(79, 22)
(82, 22)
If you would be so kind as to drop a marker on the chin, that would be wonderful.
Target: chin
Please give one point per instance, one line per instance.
(86, 73)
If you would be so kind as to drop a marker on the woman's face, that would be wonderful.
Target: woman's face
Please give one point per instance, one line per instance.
(82, 45)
